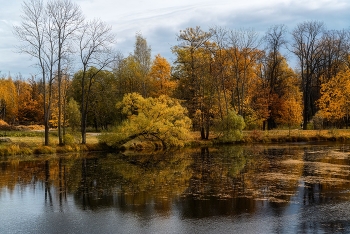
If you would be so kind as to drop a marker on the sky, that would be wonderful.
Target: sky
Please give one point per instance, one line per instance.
(160, 21)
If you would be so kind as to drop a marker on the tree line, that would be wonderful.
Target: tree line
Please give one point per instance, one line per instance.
(218, 75)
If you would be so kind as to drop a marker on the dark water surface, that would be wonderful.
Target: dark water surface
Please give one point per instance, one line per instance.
(237, 189)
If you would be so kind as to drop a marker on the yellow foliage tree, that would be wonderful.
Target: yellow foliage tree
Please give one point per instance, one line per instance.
(161, 118)
(290, 110)
(159, 77)
(30, 102)
(334, 103)
(8, 100)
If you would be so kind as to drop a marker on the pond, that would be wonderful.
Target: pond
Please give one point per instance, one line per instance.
(291, 188)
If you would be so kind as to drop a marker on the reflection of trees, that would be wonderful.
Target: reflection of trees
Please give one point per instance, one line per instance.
(274, 178)
(17, 172)
(47, 183)
(214, 172)
(234, 179)
(130, 182)
(47, 172)
(224, 180)
(326, 171)
(218, 175)
(200, 182)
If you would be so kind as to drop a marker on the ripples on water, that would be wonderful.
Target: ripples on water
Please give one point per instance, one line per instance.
(237, 189)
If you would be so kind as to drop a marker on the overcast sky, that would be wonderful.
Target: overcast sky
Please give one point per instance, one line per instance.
(159, 21)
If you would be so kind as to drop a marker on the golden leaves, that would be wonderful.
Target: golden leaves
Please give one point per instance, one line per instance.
(334, 102)
(162, 118)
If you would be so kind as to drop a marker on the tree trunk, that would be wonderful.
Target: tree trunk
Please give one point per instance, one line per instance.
(207, 131)
(83, 129)
(59, 79)
(202, 133)
(47, 129)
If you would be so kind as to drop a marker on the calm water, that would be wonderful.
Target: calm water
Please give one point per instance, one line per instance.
(238, 189)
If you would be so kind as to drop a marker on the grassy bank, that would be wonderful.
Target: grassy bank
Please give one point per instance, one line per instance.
(296, 135)
(32, 142)
(280, 136)
(256, 136)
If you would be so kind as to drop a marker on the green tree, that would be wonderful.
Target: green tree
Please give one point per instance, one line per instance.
(96, 54)
(142, 56)
(230, 128)
(73, 114)
(127, 75)
(100, 106)
(133, 72)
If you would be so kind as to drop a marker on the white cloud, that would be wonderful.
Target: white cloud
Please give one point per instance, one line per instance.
(159, 21)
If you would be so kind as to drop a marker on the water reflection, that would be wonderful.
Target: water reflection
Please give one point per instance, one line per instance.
(282, 183)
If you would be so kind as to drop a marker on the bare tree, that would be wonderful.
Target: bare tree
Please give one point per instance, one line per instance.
(36, 35)
(307, 46)
(335, 51)
(96, 53)
(66, 18)
(274, 39)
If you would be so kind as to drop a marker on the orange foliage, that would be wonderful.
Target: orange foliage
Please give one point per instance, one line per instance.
(160, 77)
(30, 102)
(8, 100)
(334, 103)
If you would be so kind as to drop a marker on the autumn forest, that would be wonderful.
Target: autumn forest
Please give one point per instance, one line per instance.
(217, 75)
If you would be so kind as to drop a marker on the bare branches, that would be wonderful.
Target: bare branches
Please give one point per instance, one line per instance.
(96, 45)
(193, 38)
(35, 35)
(32, 29)
(48, 33)
(96, 51)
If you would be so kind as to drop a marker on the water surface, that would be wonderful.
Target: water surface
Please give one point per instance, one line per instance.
(235, 189)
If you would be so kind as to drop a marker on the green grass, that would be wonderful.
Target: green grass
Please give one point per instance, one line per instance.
(21, 134)
(32, 142)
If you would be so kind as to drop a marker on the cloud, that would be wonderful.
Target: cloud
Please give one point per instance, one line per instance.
(160, 21)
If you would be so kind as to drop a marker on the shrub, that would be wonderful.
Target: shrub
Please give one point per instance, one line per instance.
(13, 149)
(44, 150)
(68, 139)
(256, 136)
(64, 149)
(230, 128)
(94, 147)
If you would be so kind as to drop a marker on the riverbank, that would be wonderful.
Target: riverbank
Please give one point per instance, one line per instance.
(32, 142)
(256, 137)
(296, 135)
